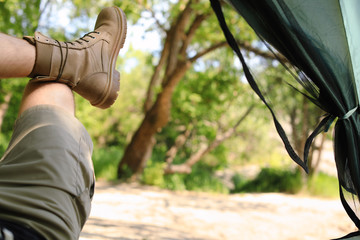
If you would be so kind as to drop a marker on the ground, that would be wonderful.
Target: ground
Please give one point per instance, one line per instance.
(128, 211)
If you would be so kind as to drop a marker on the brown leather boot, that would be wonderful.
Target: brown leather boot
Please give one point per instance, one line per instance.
(87, 65)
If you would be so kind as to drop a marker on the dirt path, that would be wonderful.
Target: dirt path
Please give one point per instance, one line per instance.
(136, 212)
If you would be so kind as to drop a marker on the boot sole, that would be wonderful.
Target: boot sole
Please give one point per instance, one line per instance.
(113, 86)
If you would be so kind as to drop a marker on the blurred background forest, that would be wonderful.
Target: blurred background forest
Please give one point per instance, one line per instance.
(185, 117)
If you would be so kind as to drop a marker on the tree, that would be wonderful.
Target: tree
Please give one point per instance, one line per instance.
(184, 44)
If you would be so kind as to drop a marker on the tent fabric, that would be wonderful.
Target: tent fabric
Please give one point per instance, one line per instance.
(350, 11)
(321, 39)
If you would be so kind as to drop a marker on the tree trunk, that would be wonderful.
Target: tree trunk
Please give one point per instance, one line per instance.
(157, 114)
(142, 143)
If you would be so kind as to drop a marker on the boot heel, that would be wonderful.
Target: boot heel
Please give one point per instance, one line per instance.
(90, 88)
(111, 93)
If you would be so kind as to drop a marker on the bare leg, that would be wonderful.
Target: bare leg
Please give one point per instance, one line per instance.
(17, 57)
(57, 94)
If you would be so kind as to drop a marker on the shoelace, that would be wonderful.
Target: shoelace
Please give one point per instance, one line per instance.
(83, 38)
(63, 63)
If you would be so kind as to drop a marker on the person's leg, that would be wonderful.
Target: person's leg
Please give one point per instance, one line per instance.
(48, 164)
(57, 94)
(17, 57)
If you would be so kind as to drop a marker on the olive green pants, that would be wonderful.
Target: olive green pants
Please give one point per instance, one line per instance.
(46, 174)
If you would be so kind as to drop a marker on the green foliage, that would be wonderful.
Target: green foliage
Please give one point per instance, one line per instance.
(175, 182)
(19, 17)
(239, 182)
(287, 181)
(323, 185)
(198, 180)
(211, 100)
(271, 156)
(126, 173)
(3, 144)
(201, 178)
(105, 162)
(210, 28)
(270, 180)
(200, 91)
(153, 174)
(15, 87)
(11, 115)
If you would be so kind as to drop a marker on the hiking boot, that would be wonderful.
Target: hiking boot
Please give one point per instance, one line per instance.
(87, 65)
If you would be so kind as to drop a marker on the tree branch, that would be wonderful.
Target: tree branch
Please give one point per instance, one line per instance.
(191, 32)
(206, 148)
(175, 35)
(154, 81)
(156, 20)
(179, 142)
(207, 50)
(245, 46)
(265, 54)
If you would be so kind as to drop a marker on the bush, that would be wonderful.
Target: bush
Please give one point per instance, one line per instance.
(106, 161)
(239, 181)
(270, 180)
(323, 185)
(153, 174)
(204, 181)
(200, 179)
(174, 182)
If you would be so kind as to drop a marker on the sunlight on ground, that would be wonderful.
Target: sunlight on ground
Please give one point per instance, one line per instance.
(136, 212)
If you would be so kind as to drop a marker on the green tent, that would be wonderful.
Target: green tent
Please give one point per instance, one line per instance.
(321, 38)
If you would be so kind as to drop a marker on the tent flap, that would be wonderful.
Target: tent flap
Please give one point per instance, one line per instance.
(320, 38)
